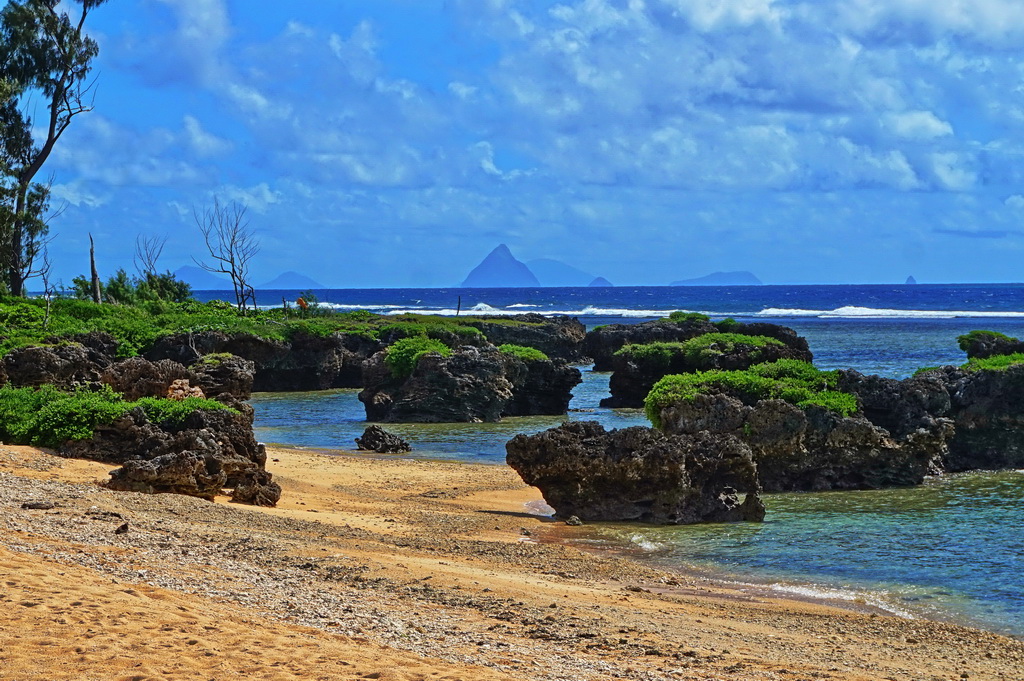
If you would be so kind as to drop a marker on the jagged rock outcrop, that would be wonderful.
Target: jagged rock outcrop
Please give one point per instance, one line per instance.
(557, 337)
(634, 375)
(376, 439)
(136, 377)
(813, 448)
(602, 343)
(305, 362)
(982, 344)
(208, 451)
(987, 408)
(224, 374)
(639, 474)
(474, 384)
(62, 362)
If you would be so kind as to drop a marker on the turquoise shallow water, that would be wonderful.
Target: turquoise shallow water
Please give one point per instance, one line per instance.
(951, 549)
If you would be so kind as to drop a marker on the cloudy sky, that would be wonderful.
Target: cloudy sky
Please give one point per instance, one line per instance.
(396, 142)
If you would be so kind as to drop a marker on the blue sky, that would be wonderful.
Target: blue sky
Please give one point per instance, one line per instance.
(396, 142)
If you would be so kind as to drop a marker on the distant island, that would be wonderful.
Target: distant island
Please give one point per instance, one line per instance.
(743, 278)
(291, 281)
(501, 269)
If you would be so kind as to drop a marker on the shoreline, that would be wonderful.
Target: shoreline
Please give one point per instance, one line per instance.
(404, 569)
(864, 599)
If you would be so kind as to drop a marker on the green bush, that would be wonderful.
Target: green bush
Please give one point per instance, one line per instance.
(965, 341)
(680, 317)
(523, 352)
(47, 417)
(655, 355)
(403, 355)
(174, 412)
(795, 382)
(995, 362)
(703, 350)
(727, 325)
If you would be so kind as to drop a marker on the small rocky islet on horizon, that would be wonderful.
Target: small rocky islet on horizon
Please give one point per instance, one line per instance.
(736, 409)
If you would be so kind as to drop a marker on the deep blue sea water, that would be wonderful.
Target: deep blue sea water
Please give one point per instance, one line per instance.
(950, 549)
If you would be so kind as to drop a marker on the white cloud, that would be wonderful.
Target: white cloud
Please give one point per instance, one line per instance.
(950, 171)
(917, 125)
(202, 142)
(257, 198)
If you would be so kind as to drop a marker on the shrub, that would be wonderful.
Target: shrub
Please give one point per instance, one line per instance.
(523, 352)
(403, 355)
(174, 412)
(727, 325)
(995, 362)
(795, 382)
(702, 350)
(47, 417)
(965, 341)
(657, 355)
(681, 317)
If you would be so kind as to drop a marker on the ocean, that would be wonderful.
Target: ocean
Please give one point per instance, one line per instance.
(951, 549)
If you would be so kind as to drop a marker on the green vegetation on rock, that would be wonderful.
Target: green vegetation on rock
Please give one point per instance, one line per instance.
(522, 352)
(699, 352)
(794, 381)
(995, 362)
(680, 317)
(965, 341)
(137, 326)
(403, 355)
(48, 417)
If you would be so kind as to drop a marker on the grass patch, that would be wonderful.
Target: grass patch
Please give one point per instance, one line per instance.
(523, 352)
(995, 362)
(968, 339)
(403, 355)
(681, 317)
(47, 417)
(698, 353)
(794, 381)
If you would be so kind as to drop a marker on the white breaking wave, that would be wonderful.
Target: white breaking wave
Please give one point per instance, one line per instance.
(854, 312)
(644, 543)
(832, 594)
(521, 305)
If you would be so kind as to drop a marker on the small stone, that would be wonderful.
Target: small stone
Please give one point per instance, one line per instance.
(574, 521)
(38, 505)
(525, 532)
(122, 529)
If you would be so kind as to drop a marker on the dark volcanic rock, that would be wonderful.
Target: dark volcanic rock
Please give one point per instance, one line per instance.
(988, 413)
(64, 364)
(982, 345)
(209, 450)
(472, 385)
(556, 337)
(813, 448)
(306, 362)
(257, 489)
(376, 439)
(137, 377)
(224, 374)
(469, 386)
(539, 386)
(638, 474)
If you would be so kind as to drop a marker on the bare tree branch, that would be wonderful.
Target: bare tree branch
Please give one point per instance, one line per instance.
(231, 245)
(147, 253)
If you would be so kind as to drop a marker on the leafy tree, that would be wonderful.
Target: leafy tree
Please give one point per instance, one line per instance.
(45, 57)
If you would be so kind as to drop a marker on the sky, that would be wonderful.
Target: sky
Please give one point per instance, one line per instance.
(394, 143)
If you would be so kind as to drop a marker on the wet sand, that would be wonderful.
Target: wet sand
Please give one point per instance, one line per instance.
(397, 569)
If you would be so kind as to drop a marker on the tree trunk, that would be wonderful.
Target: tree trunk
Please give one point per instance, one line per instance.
(15, 278)
(96, 296)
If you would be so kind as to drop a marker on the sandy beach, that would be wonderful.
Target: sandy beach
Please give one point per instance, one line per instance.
(383, 568)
